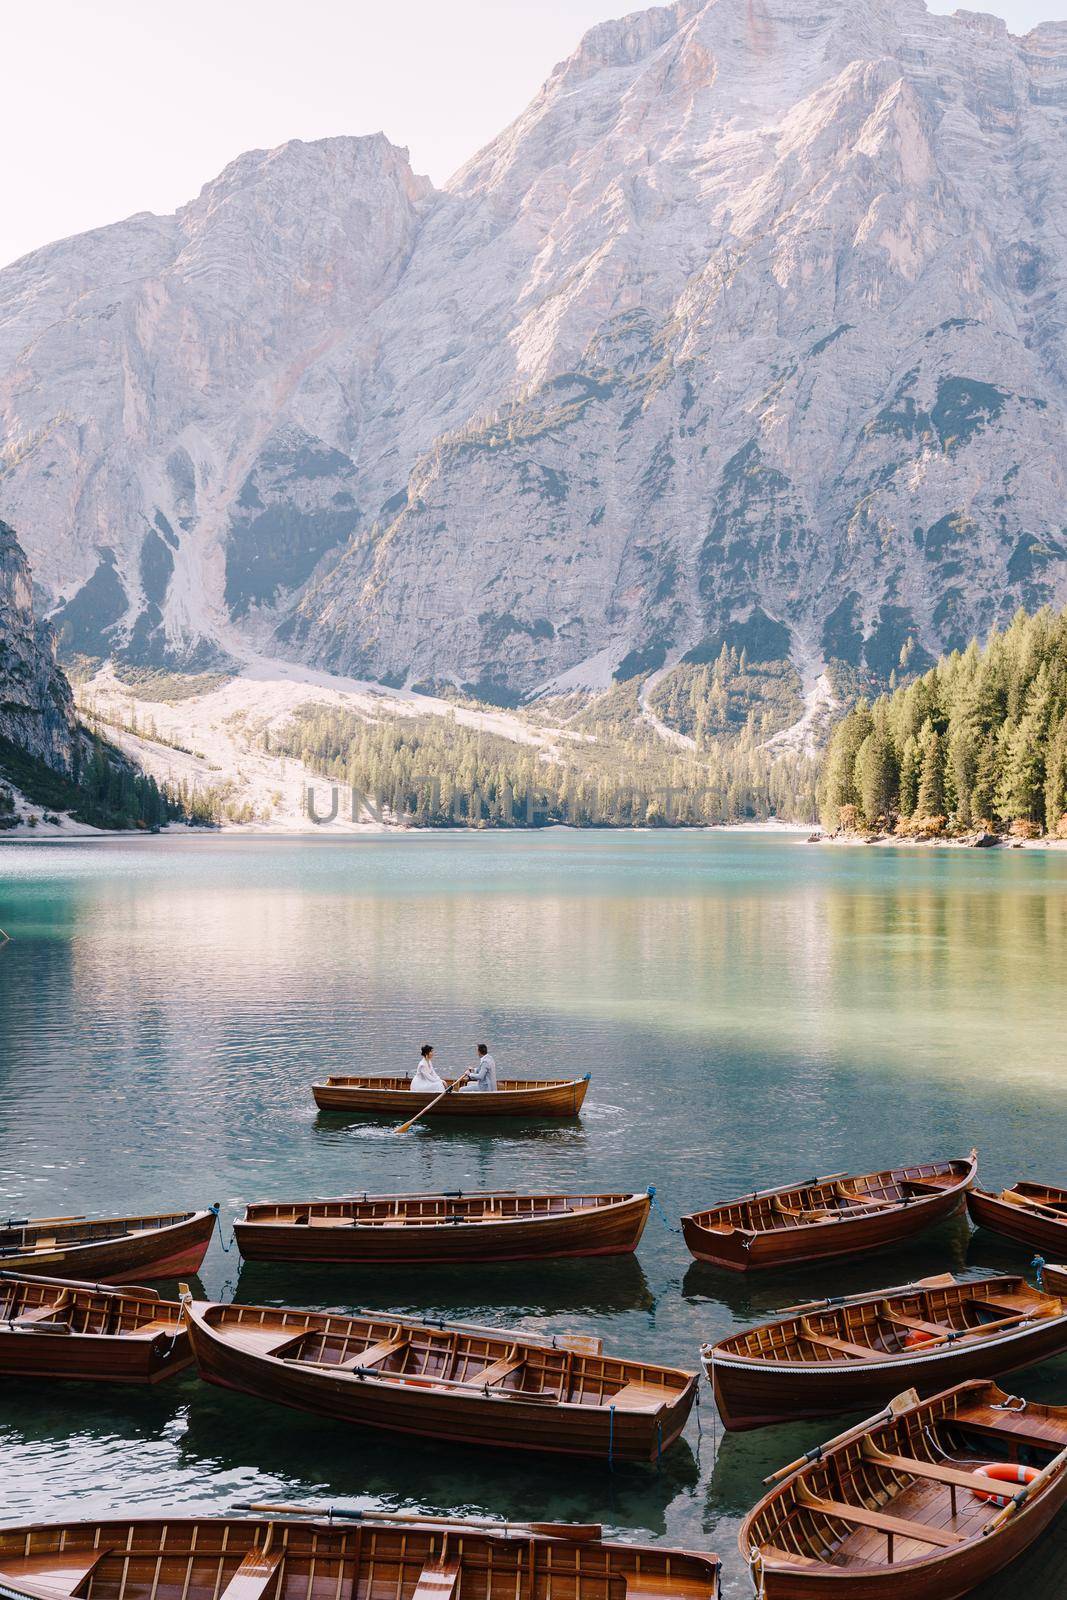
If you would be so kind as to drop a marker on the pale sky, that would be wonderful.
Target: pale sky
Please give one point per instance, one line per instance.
(116, 106)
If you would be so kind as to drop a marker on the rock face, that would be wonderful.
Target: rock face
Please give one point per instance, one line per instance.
(36, 707)
(752, 327)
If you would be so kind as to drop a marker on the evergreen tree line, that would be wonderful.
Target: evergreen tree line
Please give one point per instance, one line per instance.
(717, 699)
(103, 789)
(978, 742)
(434, 772)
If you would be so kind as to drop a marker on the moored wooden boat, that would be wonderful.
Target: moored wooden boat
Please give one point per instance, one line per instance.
(467, 1385)
(1033, 1214)
(439, 1228)
(1053, 1278)
(108, 1249)
(62, 1328)
(843, 1354)
(828, 1217)
(924, 1501)
(379, 1095)
(294, 1553)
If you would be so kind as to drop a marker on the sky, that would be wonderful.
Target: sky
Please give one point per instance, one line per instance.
(117, 106)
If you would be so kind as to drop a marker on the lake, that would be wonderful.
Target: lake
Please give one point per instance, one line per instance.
(752, 1009)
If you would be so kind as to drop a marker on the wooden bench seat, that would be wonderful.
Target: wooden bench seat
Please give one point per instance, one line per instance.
(637, 1396)
(661, 1586)
(498, 1370)
(937, 1330)
(253, 1577)
(843, 1347)
(261, 1341)
(373, 1355)
(934, 1471)
(64, 1572)
(438, 1580)
(893, 1527)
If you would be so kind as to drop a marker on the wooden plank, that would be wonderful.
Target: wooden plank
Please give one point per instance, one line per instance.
(254, 1575)
(438, 1580)
(64, 1571)
(935, 1471)
(899, 1527)
(843, 1347)
(372, 1356)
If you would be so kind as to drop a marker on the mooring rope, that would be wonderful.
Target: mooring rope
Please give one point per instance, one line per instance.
(218, 1223)
(663, 1215)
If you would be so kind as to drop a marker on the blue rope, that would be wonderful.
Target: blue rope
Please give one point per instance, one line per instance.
(1039, 1263)
(218, 1223)
(663, 1215)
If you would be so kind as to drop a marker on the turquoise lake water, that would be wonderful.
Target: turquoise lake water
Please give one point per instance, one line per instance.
(752, 1009)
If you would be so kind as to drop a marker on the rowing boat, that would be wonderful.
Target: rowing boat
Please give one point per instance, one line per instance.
(836, 1355)
(305, 1553)
(926, 1500)
(1053, 1278)
(381, 1096)
(108, 1249)
(828, 1217)
(60, 1328)
(1033, 1214)
(437, 1228)
(467, 1385)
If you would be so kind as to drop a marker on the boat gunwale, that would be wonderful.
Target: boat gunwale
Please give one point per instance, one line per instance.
(405, 1226)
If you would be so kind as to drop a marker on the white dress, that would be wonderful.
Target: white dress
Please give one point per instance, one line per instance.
(426, 1079)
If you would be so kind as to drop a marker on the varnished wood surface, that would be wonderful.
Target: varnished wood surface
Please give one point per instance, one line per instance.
(474, 1387)
(838, 1357)
(828, 1218)
(237, 1558)
(1035, 1215)
(888, 1512)
(108, 1249)
(54, 1329)
(491, 1226)
(383, 1095)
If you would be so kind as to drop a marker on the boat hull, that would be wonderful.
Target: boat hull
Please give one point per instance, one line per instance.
(743, 1249)
(946, 1573)
(537, 1100)
(1016, 1222)
(460, 1418)
(753, 1394)
(286, 1554)
(138, 1257)
(599, 1231)
(94, 1358)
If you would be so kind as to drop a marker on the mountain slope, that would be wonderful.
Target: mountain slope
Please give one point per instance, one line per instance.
(36, 706)
(750, 329)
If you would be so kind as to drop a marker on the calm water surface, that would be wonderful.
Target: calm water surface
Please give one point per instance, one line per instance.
(751, 1009)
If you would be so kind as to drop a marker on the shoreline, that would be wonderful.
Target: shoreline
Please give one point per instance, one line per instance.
(854, 841)
(48, 833)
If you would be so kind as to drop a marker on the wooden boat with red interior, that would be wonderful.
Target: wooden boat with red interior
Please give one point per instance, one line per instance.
(440, 1228)
(836, 1355)
(466, 1384)
(828, 1217)
(923, 1502)
(1033, 1214)
(302, 1553)
(108, 1249)
(61, 1328)
(378, 1095)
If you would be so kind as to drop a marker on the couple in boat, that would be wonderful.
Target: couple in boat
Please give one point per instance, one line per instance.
(481, 1078)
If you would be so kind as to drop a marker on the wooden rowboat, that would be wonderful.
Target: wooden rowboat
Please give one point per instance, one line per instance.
(828, 1217)
(1033, 1214)
(836, 1355)
(108, 1249)
(467, 1385)
(376, 1095)
(440, 1228)
(1053, 1279)
(895, 1507)
(294, 1553)
(60, 1328)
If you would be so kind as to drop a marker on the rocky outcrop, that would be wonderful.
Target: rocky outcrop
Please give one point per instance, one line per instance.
(751, 328)
(36, 706)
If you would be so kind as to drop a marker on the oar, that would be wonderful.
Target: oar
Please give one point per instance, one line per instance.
(404, 1126)
(900, 1403)
(1026, 1493)
(562, 1530)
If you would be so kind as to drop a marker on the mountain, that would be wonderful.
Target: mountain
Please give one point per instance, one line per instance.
(36, 707)
(752, 329)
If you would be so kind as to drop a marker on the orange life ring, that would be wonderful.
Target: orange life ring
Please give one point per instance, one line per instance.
(1003, 1472)
(915, 1338)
